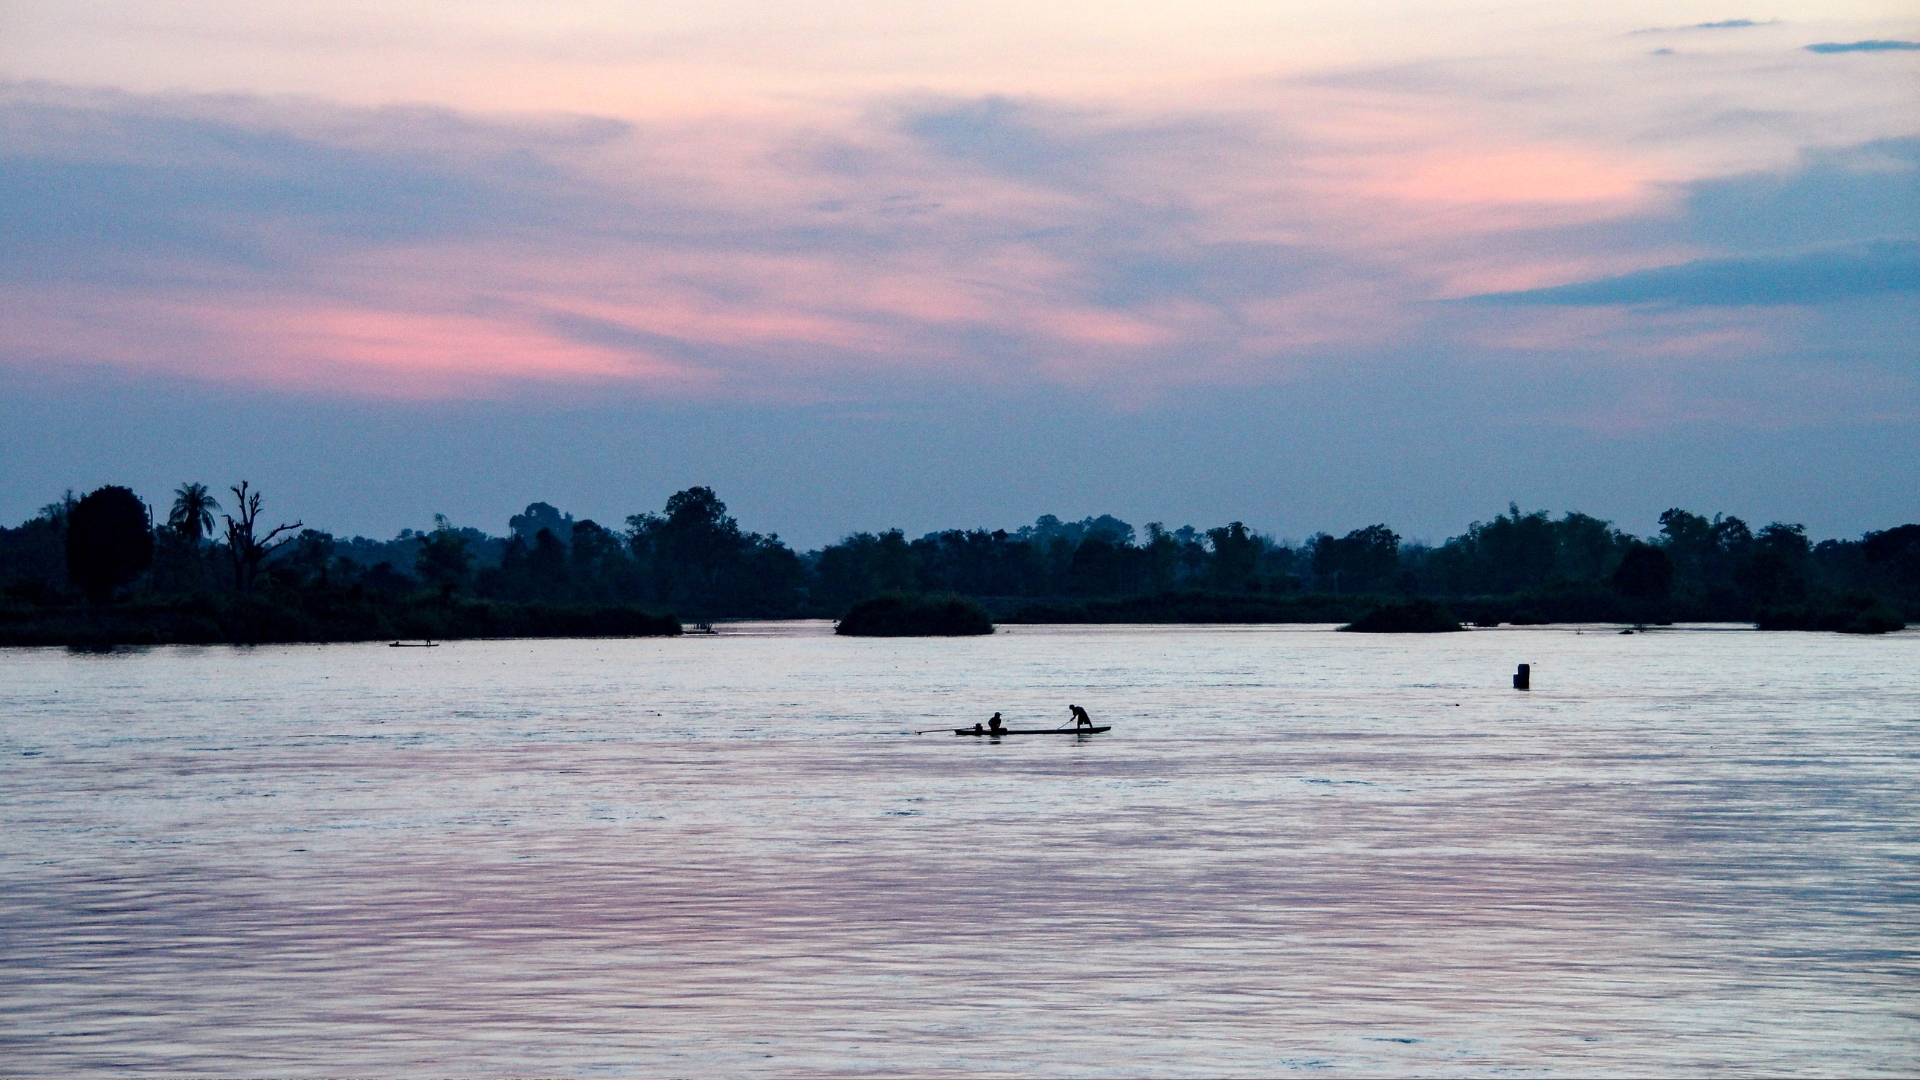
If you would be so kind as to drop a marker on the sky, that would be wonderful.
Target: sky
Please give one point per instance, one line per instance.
(1309, 266)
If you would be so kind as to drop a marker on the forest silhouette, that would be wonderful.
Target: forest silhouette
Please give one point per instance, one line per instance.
(98, 570)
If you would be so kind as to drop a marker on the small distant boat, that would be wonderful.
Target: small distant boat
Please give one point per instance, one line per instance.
(1033, 731)
(414, 645)
(701, 628)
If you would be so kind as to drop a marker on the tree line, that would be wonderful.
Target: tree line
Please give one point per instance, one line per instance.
(693, 559)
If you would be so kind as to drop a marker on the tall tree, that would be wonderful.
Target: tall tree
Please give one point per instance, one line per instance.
(1361, 561)
(1644, 573)
(245, 546)
(444, 561)
(192, 513)
(1705, 553)
(700, 561)
(1236, 554)
(1775, 569)
(109, 541)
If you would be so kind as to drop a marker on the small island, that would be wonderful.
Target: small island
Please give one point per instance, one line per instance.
(913, 615)
(1410, 617)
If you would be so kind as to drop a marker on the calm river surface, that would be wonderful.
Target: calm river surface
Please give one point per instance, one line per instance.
(1297, 852)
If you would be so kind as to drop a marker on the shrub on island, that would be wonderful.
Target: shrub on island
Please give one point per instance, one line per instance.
(912, 615)
(1411, 617)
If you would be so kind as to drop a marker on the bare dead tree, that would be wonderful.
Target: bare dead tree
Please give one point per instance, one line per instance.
(246, 549)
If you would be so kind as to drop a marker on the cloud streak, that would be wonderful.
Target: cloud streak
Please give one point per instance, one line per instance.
(1819, 277)
(1723, 24)
(1863, 46)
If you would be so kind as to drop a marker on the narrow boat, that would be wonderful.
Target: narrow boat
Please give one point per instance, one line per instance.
(414, 645)
(1034, 731)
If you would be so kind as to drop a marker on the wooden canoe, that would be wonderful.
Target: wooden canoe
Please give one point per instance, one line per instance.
(1034, 731)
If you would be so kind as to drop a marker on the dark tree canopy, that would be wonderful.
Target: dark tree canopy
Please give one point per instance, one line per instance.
(444, 562)
(1236, 555)
(1361, 561)
(1891, 544)
(109, 541)
(1704, 551)
(1645, 573)
(1775, 568)
(527, 524)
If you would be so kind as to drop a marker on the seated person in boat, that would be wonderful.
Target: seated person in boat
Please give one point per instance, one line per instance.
(995, 726)
(1080, 717)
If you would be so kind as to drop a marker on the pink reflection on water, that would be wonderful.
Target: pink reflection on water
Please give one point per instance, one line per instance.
(1296, 851)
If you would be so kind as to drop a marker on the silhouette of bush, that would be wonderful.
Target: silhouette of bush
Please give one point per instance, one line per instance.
(109, 541)
(910, 615)
(1411, 617)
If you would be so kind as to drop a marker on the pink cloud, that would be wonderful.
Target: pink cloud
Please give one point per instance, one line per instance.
(798, 258)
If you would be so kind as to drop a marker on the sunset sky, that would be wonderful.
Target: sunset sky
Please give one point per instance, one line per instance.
(1308, 265)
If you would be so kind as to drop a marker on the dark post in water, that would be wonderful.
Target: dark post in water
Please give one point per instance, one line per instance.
(1523, 679)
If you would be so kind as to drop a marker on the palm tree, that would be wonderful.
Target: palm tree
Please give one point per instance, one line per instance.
(192, 515)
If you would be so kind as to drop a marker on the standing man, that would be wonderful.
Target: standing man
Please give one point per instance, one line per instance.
(1080, 717)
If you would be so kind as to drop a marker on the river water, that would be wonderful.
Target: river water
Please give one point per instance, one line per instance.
(1298, 851)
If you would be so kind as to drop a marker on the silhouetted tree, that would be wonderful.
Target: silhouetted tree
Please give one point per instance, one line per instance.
(692, 543)
(1236, 554)
(697, 560)
(1162, 557)
(537, 516)
(382, 579)
(1099, 568)
(864, 565)
(109, 541)
(1587, 548)
(444, 563)
(245, 547)
(1893, 546)
(971, 562)
(33, 558)
(597, 563)
(1645, 573)
(58, 512)
(192, 513)
(1519, 552)
(1364, 560)
(1775, 569)
(546, 575)
(1893, 561)
(309, 560)
(1704, 553)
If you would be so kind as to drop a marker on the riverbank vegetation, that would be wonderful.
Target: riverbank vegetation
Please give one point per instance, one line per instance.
(101, 569)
